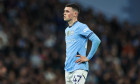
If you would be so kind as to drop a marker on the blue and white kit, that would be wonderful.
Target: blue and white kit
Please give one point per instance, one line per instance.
(76, 38)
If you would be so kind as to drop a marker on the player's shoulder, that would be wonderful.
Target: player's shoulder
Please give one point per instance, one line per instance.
(81, 24)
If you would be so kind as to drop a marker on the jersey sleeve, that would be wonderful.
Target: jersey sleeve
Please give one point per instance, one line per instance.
(85, 31)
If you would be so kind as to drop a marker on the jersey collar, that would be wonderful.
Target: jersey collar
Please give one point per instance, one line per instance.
(73, 23)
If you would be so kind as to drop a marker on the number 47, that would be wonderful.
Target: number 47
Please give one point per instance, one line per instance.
(76, 78)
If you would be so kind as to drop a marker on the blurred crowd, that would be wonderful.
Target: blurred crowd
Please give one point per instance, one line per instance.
(32, 45)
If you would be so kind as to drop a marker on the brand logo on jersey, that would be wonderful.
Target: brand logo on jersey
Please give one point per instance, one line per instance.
(68, 33)
(72, 32)
(85, 29)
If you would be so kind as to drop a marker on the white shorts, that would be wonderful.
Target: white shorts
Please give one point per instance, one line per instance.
(76, 77)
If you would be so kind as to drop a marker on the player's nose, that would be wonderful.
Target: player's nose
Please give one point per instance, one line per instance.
(64, 15)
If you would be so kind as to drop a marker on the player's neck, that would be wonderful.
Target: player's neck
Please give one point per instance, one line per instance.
(72, 22)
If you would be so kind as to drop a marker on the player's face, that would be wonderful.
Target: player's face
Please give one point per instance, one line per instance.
(68, 14)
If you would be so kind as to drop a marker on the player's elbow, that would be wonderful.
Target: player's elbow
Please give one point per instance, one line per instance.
(98, 41)
(95, 39)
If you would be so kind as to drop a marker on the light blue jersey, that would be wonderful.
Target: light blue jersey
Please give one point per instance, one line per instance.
(76, 38)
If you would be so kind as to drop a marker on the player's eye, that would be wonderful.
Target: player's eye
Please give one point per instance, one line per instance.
(66, 11)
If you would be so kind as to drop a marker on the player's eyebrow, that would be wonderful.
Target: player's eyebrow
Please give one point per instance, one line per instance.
(66, 10)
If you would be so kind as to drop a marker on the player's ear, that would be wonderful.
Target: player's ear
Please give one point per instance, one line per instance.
(75, 13)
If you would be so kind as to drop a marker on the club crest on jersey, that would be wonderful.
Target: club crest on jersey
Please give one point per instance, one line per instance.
(68, 33)
(72, 32)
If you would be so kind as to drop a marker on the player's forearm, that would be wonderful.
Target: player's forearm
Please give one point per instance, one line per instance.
(95, 43)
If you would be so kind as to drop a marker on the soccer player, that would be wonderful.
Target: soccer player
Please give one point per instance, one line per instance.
(76, 37)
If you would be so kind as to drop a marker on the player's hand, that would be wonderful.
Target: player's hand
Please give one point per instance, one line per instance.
(81, 59)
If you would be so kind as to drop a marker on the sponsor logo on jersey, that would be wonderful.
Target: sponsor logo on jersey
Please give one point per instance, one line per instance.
(85, 29)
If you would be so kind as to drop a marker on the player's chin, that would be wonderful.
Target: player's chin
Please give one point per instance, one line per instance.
(65, 19)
